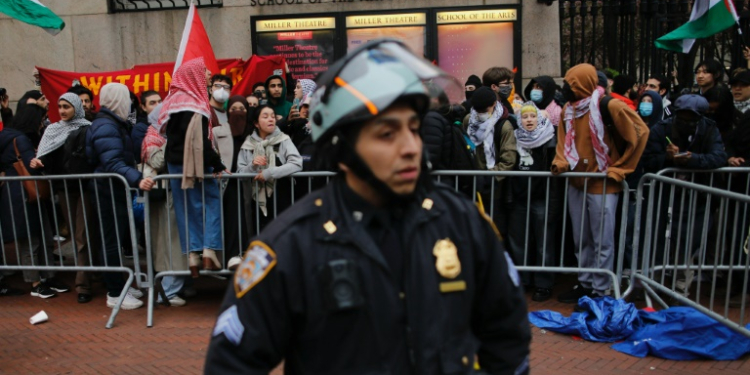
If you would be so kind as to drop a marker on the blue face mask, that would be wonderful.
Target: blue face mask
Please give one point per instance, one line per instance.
(537, 95)
(646, 109)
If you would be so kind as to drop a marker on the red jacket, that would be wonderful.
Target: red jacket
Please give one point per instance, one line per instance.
(624, 99)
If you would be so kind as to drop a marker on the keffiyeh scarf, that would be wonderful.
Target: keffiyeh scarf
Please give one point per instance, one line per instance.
(529, 140)
(484, 132)
(56, 134)
(264, 147)
(579, 109)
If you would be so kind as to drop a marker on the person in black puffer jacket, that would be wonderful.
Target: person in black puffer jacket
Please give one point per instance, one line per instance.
(109, 146)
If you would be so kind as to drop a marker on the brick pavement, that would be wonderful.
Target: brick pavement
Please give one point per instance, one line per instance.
(74, 340)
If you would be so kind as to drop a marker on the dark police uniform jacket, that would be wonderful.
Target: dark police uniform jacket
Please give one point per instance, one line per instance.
(316, 292)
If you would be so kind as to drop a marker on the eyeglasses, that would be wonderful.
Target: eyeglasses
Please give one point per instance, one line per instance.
(221, 86)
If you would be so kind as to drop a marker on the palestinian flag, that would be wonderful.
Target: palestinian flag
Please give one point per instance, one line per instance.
(33, 13)
(708, 17)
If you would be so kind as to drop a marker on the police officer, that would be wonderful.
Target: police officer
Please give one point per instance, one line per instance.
(381, 271)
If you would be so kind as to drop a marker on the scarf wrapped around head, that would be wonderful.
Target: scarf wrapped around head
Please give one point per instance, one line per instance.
(153, 139)
(308, 87)
(116, 97)
(237, 121)
(529, 140)
(484, 132)
(56, 134)
(579, 109)
(187, 93)
(264, 147)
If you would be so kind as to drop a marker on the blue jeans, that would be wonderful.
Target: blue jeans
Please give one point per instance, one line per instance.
(172, 285)
(203, 214)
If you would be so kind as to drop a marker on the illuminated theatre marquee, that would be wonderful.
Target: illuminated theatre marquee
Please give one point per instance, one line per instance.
(296, 24)
(477, 16)
(386, 20)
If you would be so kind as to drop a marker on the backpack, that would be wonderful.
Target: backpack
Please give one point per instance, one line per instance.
(460, 156)
(76, 161)
(609, 123)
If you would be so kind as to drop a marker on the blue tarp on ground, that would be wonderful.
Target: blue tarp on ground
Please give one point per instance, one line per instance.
(683, 333)
(605, 320)
(678, 333)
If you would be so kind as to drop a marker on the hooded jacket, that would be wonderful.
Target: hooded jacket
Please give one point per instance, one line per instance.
(548, 90)
(658, 113)
(632, 133)
(20, 219)
(282, 107)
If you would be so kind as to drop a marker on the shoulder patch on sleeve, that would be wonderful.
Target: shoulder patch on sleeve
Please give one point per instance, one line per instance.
(512, 271)
(229, 324)
(259, 261)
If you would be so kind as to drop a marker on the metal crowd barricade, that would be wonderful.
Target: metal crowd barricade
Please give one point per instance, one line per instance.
(694, 248)
(241, 221)
(490, 202)
(33, 236)
(165, 257)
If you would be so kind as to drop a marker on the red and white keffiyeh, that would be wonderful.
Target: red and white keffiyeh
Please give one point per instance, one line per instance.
(187, 93)
(578, 109)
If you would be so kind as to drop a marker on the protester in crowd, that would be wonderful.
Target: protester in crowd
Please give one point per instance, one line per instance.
(26, 224)
(500, 80)
(149, 100)
(740, 83)
(490, 127)
(252, 101)
(6, 114)
(259, 90)
(108, 142)
(185, 119)
(298, 129)
(221, 87)
(660, 84)
(50, 159)
(531, 229)
(271, 154)
(236, 236)
(472, 83)
(721, 109)
(584, 144)
(87, 98)
(337, 271)
(708, 74)
(276, 92)
(622, 89)
(164, 233)
(541, 90)
(688, 140)
(31, 97)
(738, 151)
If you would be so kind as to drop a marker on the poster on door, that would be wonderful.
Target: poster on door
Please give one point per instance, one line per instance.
(308, 53)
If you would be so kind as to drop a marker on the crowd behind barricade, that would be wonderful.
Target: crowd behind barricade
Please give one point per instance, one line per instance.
(592, 121)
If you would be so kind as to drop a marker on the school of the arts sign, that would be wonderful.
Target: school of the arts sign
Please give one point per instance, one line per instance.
(256, 3)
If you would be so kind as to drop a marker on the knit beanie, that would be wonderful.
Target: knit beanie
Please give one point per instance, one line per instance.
(473, 80)
(483, 98)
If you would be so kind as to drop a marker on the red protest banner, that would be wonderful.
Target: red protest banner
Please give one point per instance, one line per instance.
(257, 69)
(138, 79)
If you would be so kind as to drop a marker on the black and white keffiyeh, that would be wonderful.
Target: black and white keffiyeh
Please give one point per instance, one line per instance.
(56, 134)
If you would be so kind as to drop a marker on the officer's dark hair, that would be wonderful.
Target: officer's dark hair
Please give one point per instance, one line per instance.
(255, 116)
(146, 94)
(622, 83)
(80, 90)
(713, 67)
(223, 78)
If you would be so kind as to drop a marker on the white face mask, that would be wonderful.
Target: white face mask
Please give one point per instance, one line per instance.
(220, 95)
(483, 116)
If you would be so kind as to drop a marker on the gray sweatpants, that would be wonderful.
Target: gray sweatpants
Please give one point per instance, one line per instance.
(593, 222)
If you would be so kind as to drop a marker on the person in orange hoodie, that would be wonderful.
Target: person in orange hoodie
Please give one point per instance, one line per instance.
(622, 89)
(586, 144)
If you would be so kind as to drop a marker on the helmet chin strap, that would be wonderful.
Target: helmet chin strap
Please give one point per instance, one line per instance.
(358, 166)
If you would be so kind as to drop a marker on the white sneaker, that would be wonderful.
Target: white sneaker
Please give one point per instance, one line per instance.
(234, 263)
(176, 301)
(135, 292)
(130, 303)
